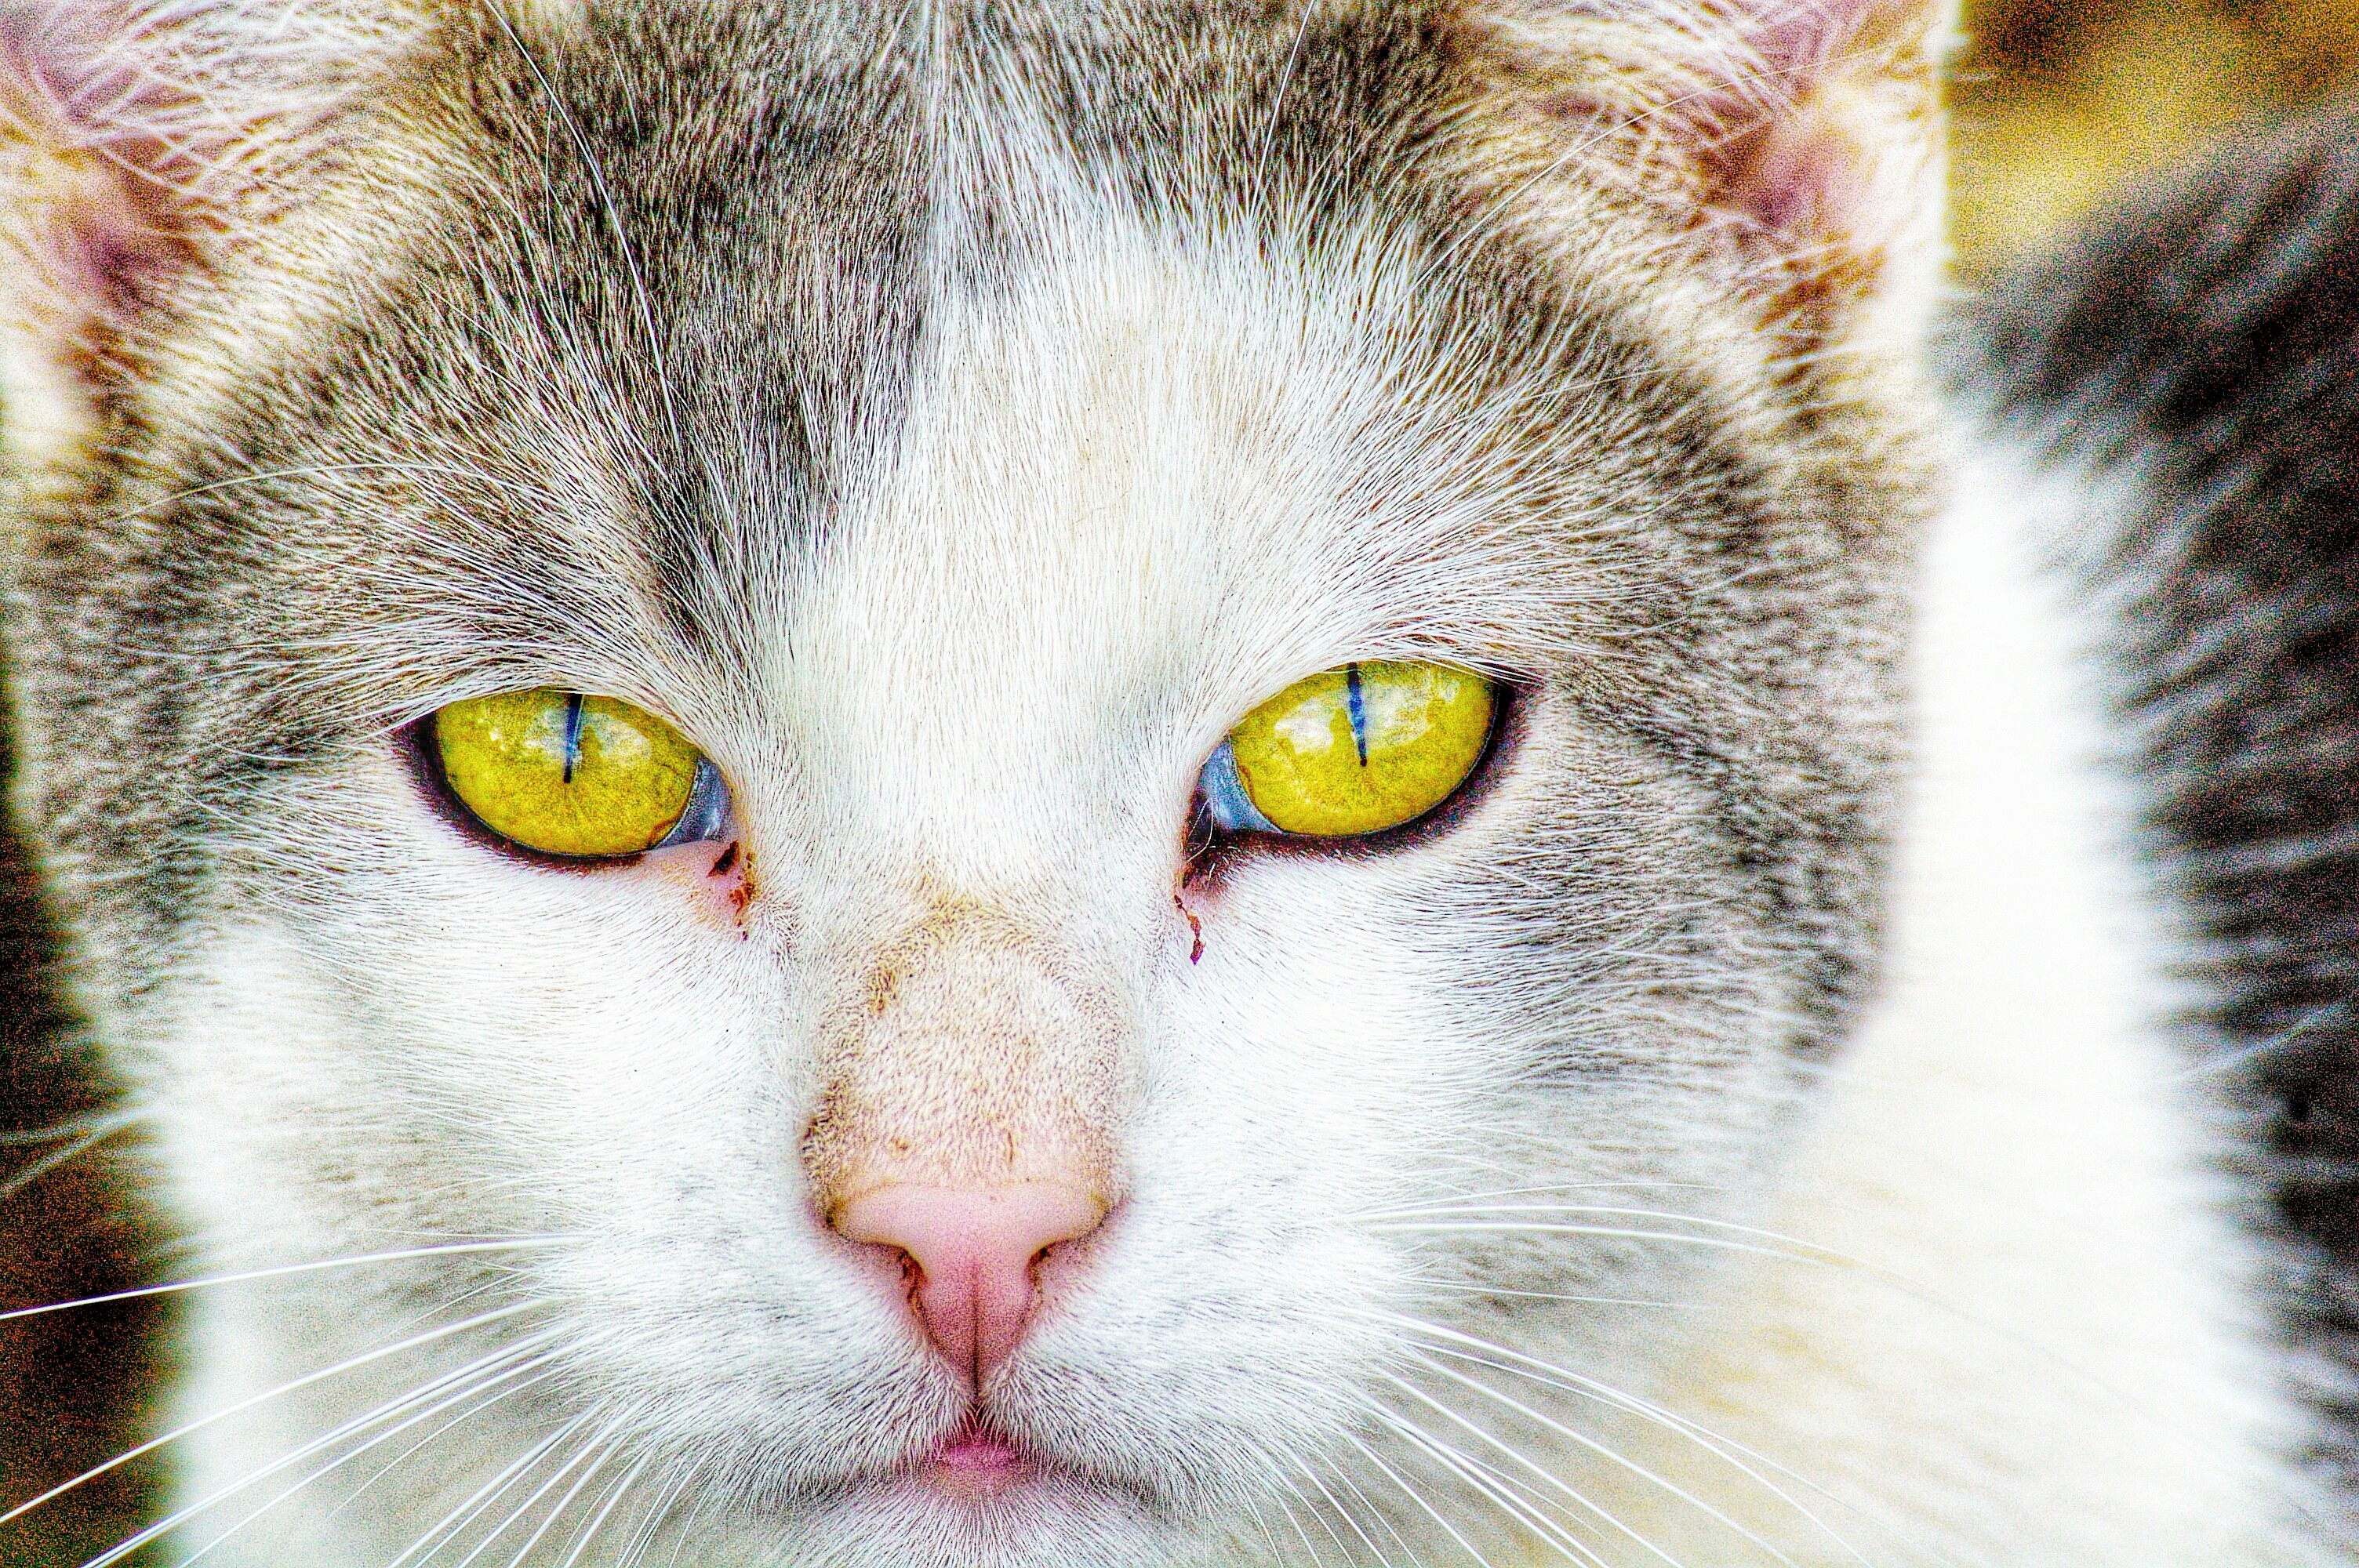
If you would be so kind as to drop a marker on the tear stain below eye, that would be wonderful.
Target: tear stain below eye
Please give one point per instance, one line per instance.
(1195, 929)
(737, 865)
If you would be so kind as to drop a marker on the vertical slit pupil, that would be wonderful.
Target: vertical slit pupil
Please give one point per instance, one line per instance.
(1359, 707)
(572, 732)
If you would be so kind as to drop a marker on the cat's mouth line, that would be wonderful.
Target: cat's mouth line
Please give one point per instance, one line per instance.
(979, 1462)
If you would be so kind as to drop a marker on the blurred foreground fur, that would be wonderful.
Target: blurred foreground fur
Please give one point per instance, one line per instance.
(2201, 342)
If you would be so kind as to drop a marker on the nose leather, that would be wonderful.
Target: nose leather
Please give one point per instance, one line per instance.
(974, 1250)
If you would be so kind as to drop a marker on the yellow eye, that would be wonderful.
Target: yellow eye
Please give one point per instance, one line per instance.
(585, 776)
(1352, 752)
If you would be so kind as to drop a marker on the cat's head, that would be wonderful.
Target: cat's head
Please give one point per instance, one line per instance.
(933, 436)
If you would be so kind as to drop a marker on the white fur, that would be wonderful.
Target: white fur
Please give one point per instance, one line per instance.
(2030, 1335)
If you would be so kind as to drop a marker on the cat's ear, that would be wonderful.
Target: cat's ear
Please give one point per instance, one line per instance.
(143, 142)
(138, 134)
(1798, 141)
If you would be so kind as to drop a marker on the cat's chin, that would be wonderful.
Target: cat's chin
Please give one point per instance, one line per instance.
(977, 1499)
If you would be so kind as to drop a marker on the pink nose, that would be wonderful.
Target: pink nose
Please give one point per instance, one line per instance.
(975, 1250)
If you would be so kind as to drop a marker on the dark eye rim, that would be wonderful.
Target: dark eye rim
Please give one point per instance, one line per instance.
(1208, 849)
(709, 794)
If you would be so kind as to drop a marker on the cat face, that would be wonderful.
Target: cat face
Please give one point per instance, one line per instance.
(953, 436)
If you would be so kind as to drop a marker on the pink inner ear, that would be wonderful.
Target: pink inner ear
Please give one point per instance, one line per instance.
(1799, 181)
(1793, 173)
(120, 214)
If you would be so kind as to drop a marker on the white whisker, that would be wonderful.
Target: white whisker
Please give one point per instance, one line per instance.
(1261, 1523)
(1503, 1293)
(1579, 1439)
(41, 1166)
(1418, 1498)
(34, 1137)
(1326, 1516)
(1477, 1200)
(283, 1271)
(1344, 1511)
(1616, 1233)
(597, 1520)
(473, 1507)
(152, 1444)
(1344, 1479)
(614, 216)
(473, 1380)
(599, 1445)
(1496, 1488)
(536, 1365)
(659, 1506)
(1444, 1342)
(1801, 1247)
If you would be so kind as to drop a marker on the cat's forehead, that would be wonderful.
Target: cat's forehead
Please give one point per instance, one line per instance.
(1158, 468)
(1132, 484)
(1085, 383)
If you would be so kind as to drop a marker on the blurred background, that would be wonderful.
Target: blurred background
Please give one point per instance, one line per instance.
(2057, 103)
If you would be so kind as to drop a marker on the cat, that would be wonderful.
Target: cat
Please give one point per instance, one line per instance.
(2192, 347)
(1100, 783)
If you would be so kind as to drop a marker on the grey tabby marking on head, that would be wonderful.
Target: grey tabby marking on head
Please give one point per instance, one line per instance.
(955, 420)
